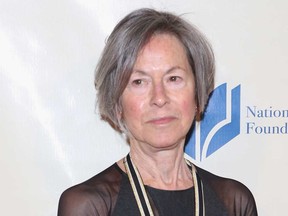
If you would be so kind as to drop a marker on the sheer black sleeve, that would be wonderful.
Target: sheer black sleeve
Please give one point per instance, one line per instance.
(236, 197)
(96, 196)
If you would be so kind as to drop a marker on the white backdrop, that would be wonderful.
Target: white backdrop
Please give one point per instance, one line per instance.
(52, 138)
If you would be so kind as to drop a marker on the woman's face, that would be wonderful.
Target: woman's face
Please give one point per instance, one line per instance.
(159, 99)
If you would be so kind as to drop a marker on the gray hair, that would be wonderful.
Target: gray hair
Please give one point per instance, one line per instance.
(121, 50)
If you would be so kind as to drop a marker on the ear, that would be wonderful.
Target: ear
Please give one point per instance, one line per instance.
(119, 114)
(198, 114)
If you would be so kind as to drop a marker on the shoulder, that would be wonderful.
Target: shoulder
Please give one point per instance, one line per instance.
(92, 197)
(227, 186)
(235, 196)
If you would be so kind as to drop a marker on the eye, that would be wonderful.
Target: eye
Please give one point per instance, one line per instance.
(137, 82)
(174, 78)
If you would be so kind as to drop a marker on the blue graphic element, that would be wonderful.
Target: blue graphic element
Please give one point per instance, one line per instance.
(216, 128)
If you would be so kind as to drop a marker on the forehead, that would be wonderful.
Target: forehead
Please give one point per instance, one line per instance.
(164, 40)
(162, 48)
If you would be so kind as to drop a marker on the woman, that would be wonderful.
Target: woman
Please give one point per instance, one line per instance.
(154, 77)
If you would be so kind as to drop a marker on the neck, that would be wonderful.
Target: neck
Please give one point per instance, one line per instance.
(162, 169)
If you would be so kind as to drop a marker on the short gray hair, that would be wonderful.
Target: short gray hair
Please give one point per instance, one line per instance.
(123, 45)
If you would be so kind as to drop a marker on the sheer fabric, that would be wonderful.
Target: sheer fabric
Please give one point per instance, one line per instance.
(110, 193)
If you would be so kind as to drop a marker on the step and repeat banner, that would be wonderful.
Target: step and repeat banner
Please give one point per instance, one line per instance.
(51, 136)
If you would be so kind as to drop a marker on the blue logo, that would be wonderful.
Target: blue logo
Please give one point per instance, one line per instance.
(220, 123)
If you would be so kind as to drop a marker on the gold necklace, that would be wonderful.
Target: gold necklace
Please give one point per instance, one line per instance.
(141, 194)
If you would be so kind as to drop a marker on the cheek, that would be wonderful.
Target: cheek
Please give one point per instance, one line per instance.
(132, 108)
(189, 107)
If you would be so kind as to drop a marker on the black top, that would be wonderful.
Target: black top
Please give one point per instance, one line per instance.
(110, 193)
(171, 203)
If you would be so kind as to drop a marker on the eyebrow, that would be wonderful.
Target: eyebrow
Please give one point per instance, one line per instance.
(167, 72)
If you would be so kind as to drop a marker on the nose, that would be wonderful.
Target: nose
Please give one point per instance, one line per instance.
(159, 95)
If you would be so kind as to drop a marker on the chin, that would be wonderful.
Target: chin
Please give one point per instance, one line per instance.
(167, 142)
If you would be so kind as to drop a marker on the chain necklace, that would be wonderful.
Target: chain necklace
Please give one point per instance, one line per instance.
(141, 194)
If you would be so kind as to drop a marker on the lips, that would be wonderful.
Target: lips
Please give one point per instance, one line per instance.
(162, 120)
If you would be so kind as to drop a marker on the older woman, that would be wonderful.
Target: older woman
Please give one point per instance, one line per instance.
(153, 79)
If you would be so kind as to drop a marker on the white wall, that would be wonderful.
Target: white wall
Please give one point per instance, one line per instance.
(50, 135)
